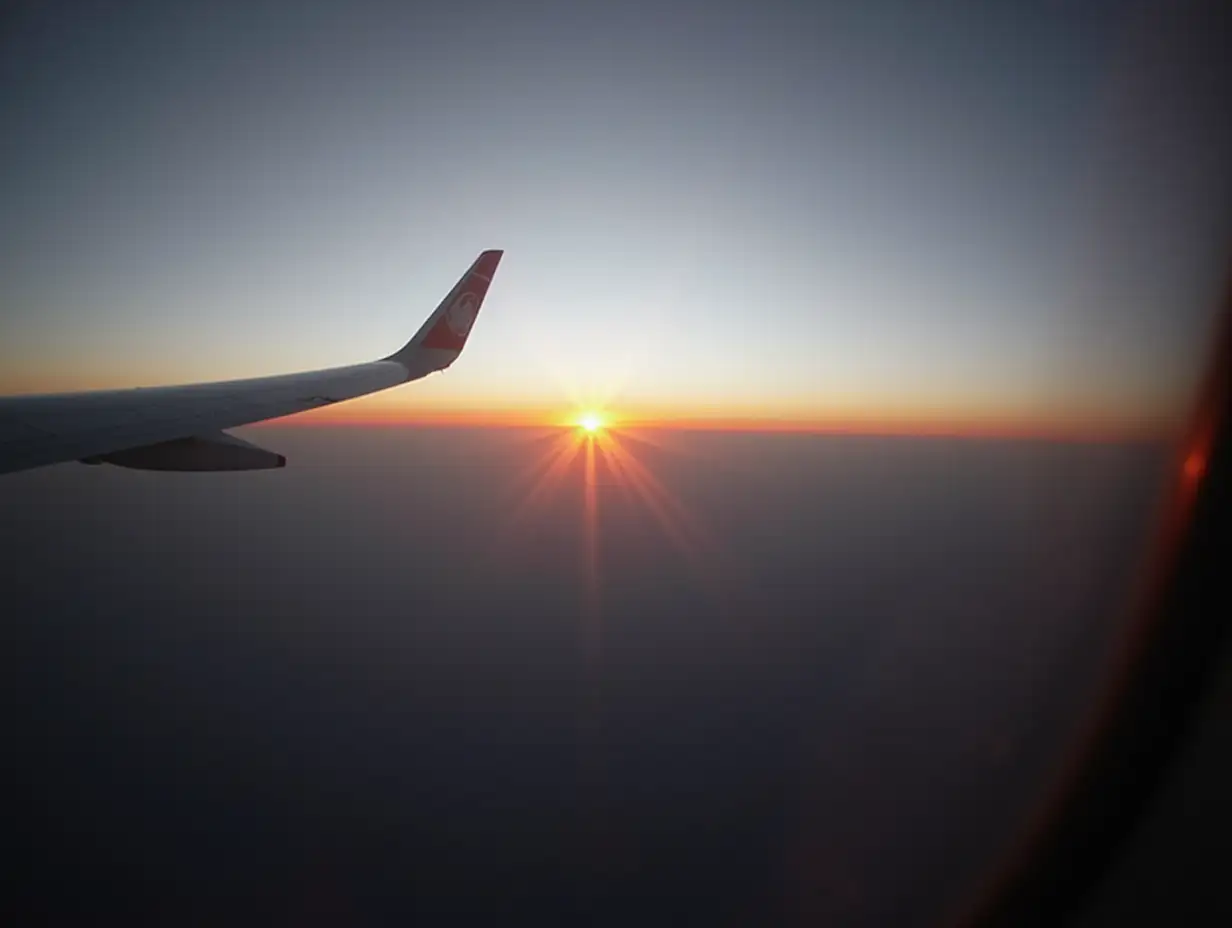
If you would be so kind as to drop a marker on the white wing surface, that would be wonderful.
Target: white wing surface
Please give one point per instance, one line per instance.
(181, 428)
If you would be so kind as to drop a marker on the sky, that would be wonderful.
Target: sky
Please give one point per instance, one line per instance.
(879, 215)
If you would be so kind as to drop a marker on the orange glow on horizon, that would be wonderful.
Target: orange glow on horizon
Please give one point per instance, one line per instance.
(593, 422)
(425, 407)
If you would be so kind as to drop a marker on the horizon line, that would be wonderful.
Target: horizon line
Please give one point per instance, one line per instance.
(1080, 431)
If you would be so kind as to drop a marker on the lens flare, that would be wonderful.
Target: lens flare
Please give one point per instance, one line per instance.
(612, 471)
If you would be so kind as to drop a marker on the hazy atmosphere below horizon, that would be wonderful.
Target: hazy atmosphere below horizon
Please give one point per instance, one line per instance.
(790, 676)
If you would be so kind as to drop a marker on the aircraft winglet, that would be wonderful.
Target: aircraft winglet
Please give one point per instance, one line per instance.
(442, 337)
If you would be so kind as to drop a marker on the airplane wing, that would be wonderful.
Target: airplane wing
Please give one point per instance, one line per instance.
(181, 428)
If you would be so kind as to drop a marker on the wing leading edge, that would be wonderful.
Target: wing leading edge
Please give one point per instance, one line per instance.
(180, 428)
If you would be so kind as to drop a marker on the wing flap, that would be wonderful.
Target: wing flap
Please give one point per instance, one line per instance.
(218, 451)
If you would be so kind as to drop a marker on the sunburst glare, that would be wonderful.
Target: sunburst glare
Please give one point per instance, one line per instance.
(590, 450)
(590, 421)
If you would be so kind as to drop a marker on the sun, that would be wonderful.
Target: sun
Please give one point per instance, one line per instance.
(590, 422)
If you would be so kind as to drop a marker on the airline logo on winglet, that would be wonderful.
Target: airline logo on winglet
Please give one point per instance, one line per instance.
(461, 315)
(454, 325)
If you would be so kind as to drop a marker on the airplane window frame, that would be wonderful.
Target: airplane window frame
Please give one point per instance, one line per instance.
(1175, 645)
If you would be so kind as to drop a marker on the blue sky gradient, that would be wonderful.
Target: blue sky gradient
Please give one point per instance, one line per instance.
(808, 212)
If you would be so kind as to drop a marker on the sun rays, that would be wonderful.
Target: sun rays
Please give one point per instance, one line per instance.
(610, 477)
